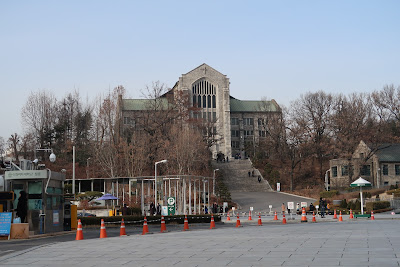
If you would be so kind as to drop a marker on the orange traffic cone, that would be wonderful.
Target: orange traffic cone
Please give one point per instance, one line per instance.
(334, 214)
(238, 221)
(284, 219)
(250, 219)
(276, 216)
(372, 215)
(259, 219)
(145, 227)
(351, 214)
(79, 233)
(163, 226)
(228, 218)
(212, 223)
(103, 233)
(340, 217)
(122, 231)
(186, 224)
(303, 215)
(313, 217)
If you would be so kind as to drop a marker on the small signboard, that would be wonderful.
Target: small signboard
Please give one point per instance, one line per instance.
(5, 223)
(270, 206)
(278, 187)
(164, 210)
(171, 206)
(290, 205)
(251, 208)
(56, 217)
(304, 204)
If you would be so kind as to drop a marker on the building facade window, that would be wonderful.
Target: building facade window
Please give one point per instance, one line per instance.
(234, 121)
(365, 170)
(235, 133)
(262, 133)
(385, 169)
(235, 144)
(248, 121)
(248, 133)
(334, 171)
(397, 169)
(129, 121)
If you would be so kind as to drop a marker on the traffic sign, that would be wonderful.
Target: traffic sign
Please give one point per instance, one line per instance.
(171, 205)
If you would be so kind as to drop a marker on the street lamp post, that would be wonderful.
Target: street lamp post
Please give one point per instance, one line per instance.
(155, 180)
(214, 181)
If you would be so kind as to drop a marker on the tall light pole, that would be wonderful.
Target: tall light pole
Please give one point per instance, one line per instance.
(155, 179)
(73, 171)
(214, 181)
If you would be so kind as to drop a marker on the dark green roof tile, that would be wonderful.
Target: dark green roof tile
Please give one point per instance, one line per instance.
(389, 153)
(252, 106)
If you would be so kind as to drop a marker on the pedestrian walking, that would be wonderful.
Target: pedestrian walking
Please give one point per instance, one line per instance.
(322, 205)
(283, 208)
(259, 179)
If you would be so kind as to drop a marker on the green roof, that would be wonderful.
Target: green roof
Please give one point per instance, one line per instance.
(252, 106)
(140, 104)
(236, 105)
(389, 153)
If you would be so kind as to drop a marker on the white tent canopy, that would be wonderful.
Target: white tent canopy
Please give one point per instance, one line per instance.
(360, 182)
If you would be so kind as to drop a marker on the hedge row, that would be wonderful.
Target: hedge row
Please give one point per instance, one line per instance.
(328, 194)
(138, 220)
(377, 205)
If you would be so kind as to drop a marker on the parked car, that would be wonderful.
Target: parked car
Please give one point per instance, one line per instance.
(86, 214)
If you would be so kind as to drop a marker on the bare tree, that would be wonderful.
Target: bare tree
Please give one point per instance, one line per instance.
(2, 147)
(28, 146)
(312, 113)
(14, 144)
(39, 116)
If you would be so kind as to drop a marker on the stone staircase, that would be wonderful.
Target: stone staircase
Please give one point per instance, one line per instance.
(236, 177)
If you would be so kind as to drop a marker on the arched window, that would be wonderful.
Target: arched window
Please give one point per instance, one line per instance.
(199, 101)
(194, 101)
(204, 101)
(214, 104)
(209, 101)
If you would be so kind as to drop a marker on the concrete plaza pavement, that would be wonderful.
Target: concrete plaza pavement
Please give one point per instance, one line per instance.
(359, 242)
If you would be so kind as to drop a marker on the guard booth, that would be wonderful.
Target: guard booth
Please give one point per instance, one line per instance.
(44, 189)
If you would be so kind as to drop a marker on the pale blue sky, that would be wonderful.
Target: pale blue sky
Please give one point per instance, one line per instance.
(273, 49)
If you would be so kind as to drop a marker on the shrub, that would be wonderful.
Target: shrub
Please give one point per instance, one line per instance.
(366, 194)
(378, 205)
(134, 211)
(328, 194)
(343, 204)
(354, 205)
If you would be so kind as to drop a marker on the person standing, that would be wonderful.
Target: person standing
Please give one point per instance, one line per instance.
(283, 208)
(152, 209)
(322, 207)
(22, 207)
